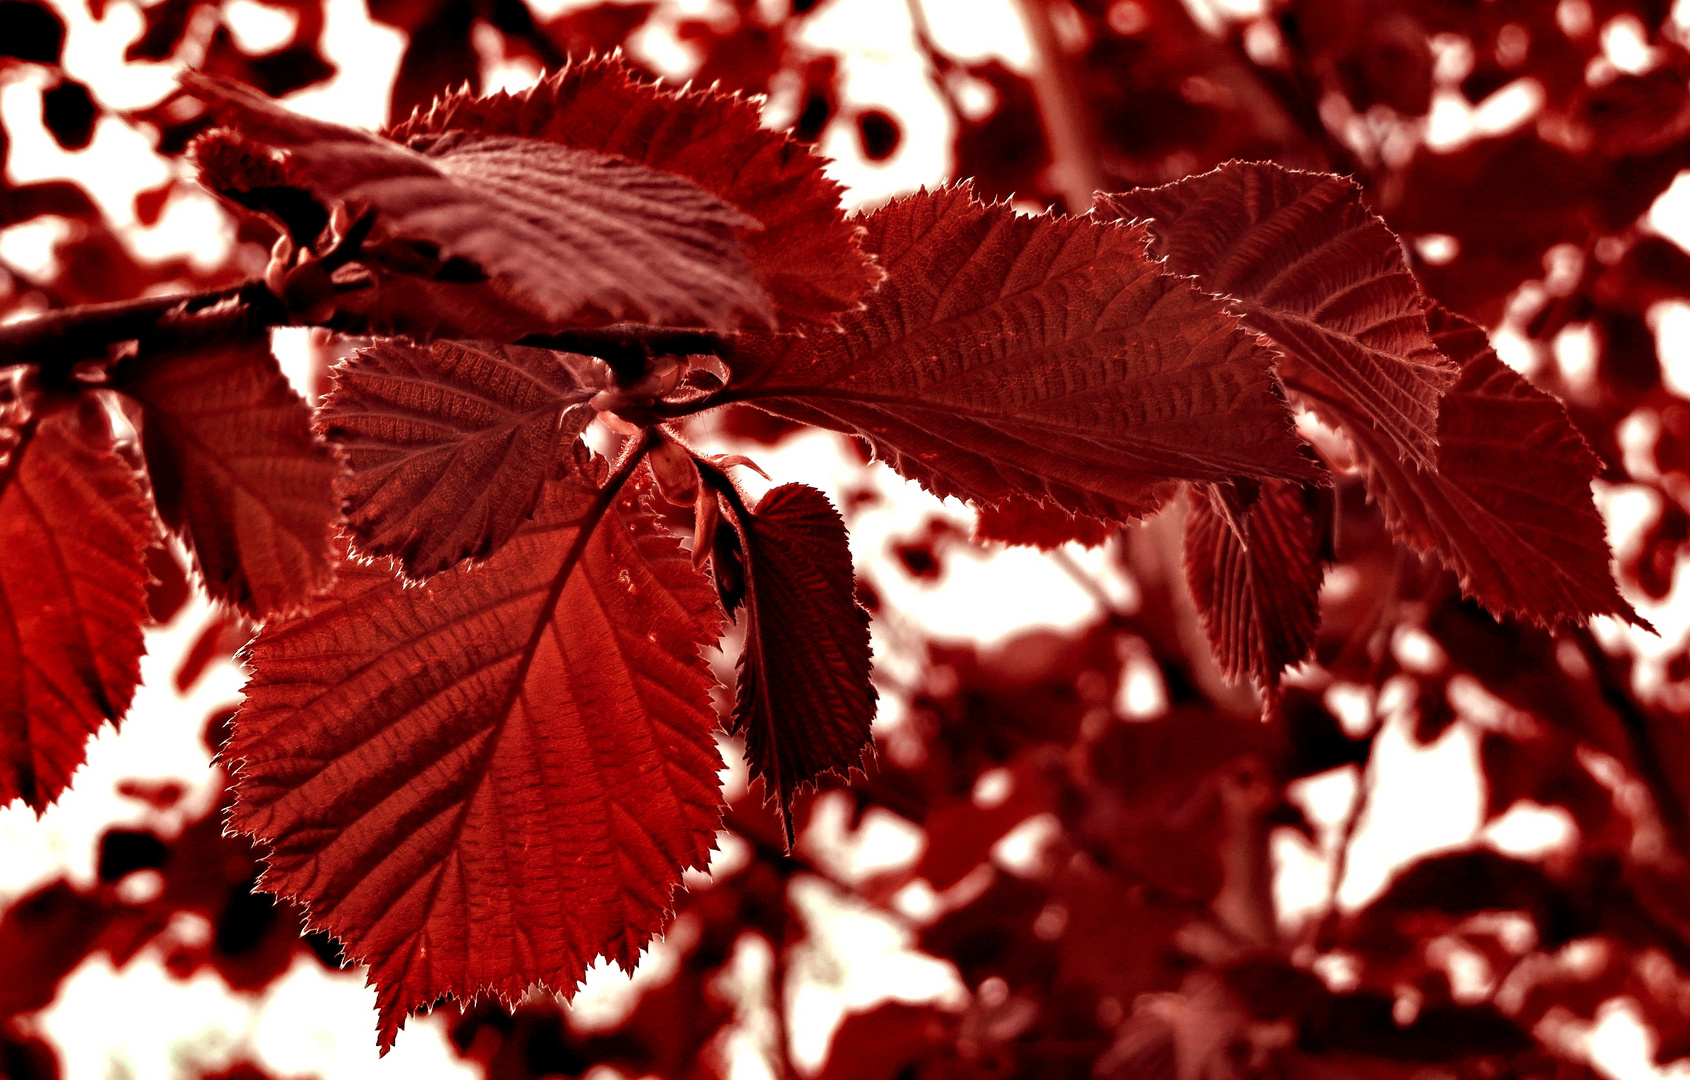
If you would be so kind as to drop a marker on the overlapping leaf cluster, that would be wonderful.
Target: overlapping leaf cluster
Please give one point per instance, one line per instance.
(478, 742)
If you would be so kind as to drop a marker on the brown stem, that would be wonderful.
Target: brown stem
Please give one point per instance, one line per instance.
(59, 340)
(1062, 111)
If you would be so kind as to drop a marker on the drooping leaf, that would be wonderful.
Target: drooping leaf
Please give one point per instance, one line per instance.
(807, 257)
(1311, 267)
(490, 779)
(237, 472)
(449, 444)
(804, 701)
(1502, 491)
(1255, 572)
(1509, 508)
(568, 235)
(74, 529)
(1039, 357)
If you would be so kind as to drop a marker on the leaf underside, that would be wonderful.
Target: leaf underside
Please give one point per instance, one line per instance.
(449, 444)
(1030, 523)
(237, 472)
(1505, 499)
(1037, 357)
(806, 255)
(804, 701)
(1311, 267)
(74, 529)
(1509, 508)
(490, 779)
(1255, 573)
(636, 244)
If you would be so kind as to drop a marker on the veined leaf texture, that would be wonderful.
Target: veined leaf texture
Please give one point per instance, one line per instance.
(1043, 357)
(493, 778)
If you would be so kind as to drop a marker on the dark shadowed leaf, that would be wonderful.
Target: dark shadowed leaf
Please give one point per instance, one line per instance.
(568, 235)
(74, 529)
(1509, 508)
(450, 443)
(1039, 357)
(1019, 520)
(237, 472)
(1255, 572)
(1501, 489)
(1312, 268)
(806, 255)
(492, 778)
(804, 702)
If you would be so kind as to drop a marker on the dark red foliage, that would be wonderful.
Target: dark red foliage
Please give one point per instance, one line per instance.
(481, 743)
(804, 700)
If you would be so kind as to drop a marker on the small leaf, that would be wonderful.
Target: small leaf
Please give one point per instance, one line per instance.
(450, 443)
(74, 530)
(570, 236)
(237, 472)
(804, 701)
(1308, 264)
(1040, 357)
(490, 779)
(806, 255)
(1255, 572)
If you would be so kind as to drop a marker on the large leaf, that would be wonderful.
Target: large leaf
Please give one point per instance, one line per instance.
(74, 529)
(1255, 572)
(1042, 357)
(237, 472)
(806, 255)
(490, 779)
(1312, 268)
(804, 701)
(572, 236)
(450, 443)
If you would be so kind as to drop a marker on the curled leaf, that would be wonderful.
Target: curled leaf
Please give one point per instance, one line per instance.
(1253, 560)
(806, 255)
(568, 236)
(804, 701)
(74, 529)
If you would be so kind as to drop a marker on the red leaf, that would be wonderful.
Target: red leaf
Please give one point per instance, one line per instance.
(1311, 267)
(74, 528)
(806, 256)
(1255, 572)
(1509, 508)
(490, 779)
(236, 471)
(1040, 357)
(449, 444)
(1504, 499)
(1019, 520)
(804, 701)
(636, 243)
